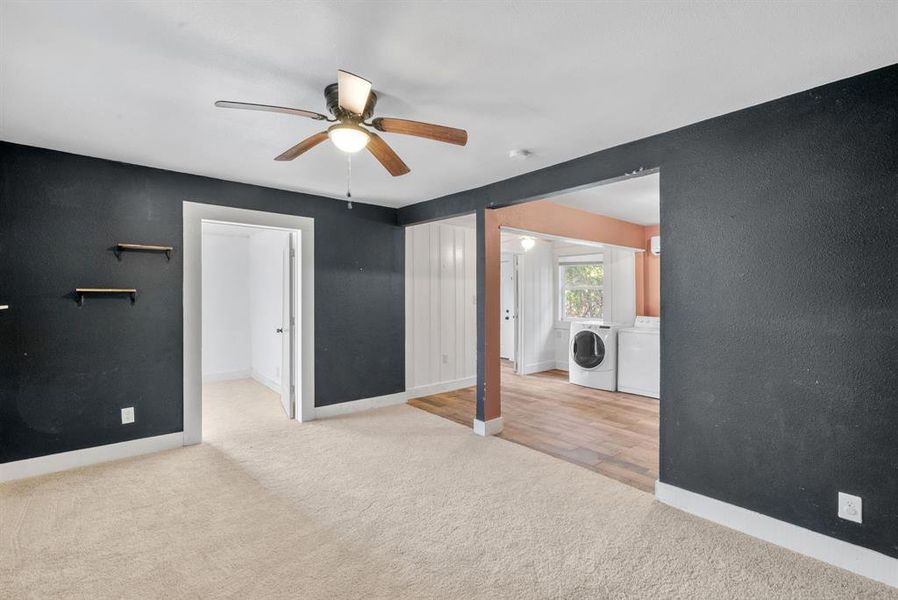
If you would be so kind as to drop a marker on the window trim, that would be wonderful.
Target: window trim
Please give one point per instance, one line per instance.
(561, 287)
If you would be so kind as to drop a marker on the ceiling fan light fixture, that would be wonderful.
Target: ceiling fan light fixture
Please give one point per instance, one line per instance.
(348, 137)
(351, 102)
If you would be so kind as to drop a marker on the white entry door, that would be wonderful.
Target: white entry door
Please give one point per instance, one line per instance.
(507, 316)
(288, 381)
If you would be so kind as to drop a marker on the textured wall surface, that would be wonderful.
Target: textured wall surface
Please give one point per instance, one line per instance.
(780, 299)
(66, 371)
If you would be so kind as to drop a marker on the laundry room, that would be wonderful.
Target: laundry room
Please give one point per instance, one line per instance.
(575, 284)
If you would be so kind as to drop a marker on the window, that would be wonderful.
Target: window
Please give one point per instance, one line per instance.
(581, 286)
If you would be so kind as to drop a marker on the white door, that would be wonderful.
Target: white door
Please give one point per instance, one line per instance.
(507, 316)
(286, 329)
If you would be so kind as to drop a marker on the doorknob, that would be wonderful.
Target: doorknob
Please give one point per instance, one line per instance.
(279, 330)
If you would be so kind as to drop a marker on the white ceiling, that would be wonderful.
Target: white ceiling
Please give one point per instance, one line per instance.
(637, 200)
(135, 81)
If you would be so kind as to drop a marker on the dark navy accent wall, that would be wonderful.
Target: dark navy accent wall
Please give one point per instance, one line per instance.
(779, 377)
(65, 371)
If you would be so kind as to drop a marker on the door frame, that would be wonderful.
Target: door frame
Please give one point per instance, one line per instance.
(518, 360)
(289, 295)
(194, 214)
(511, 317)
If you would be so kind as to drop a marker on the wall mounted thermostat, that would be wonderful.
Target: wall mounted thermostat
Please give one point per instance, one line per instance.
(655, 245)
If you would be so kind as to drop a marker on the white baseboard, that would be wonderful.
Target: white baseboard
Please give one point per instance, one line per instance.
(491, 427)
(344, 408)
(227, 375)
(539, 367)
(638, 392)
(439, 388)
(562, 364)
(844, 555)
(268, 382)
(63, 461)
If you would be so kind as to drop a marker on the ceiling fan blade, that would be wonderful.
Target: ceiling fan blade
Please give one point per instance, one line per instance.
(439, 133)
(278, 109)
(352, 92)
(305, 145)
(386, 156)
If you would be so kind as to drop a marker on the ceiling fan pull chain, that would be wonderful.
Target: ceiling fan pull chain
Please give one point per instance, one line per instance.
(349, 181)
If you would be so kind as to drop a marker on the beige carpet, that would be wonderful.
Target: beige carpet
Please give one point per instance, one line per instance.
(395, 503)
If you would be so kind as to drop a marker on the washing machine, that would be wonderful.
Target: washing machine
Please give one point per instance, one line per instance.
(639, 358)
(593, 355)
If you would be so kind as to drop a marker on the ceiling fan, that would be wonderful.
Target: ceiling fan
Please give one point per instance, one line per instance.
(351, 102)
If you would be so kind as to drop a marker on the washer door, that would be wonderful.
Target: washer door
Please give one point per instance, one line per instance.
(587, 349)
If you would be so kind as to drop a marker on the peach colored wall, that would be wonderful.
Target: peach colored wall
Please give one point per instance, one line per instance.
(652, 276)
(540, 216)
(547, 217)
(492, 302)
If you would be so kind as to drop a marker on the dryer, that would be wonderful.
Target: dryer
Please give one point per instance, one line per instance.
(639, 358)
(593, 355)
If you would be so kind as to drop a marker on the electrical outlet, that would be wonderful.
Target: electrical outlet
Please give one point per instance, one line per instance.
(851, 507)
(127, 415)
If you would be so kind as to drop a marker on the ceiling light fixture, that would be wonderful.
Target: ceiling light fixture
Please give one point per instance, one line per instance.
(348, 137)
(527, 243)
(351, 103)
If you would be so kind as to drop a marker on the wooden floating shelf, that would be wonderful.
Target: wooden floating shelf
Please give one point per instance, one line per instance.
(122, 247)
(81, 292)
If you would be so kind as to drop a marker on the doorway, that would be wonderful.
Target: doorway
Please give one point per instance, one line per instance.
(291, 305)
(586, 385)
(509, 316)
(577, 274)
(249, 307)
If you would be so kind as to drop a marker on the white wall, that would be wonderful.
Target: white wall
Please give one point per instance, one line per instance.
(623, 278)
(536, 282)
(267, 250)
(226, 305)
(440, 306)
(243, 278)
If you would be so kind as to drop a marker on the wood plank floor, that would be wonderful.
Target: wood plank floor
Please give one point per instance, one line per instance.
(612, 433)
